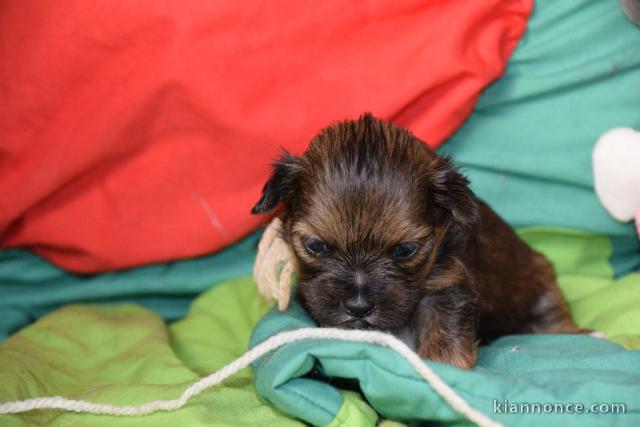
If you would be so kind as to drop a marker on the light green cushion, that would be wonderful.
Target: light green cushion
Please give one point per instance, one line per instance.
(126, 355)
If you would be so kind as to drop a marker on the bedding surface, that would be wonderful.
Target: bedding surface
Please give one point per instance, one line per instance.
(125, 354)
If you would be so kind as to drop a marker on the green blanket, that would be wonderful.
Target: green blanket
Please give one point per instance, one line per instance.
(126, 355)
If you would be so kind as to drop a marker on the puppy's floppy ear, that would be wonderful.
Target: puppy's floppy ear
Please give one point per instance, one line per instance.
(450, 190)
(280, 185)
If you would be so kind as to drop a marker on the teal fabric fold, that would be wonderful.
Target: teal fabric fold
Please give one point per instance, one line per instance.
(31, 287)
(529, 369)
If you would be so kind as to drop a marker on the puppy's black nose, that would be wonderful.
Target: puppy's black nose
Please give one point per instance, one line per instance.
(358, 307)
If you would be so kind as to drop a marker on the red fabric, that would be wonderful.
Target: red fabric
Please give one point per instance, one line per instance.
(141, 131)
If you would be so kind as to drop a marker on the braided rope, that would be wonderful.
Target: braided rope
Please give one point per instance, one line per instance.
(372, 337)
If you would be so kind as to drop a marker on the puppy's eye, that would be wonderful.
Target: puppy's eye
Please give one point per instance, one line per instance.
(316, 247)
(404, 251)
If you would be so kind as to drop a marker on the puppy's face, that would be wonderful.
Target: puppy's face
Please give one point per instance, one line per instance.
(361, 253)
(369, 212)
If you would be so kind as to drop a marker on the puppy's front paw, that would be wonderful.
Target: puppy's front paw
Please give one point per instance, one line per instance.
(463, 357)
(445, 326)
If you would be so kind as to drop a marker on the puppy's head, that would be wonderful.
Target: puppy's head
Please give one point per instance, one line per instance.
(369, 212)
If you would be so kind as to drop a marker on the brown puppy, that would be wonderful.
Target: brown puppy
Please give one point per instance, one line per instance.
(387, 235)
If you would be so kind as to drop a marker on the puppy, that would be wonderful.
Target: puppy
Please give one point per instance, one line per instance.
(387, 235)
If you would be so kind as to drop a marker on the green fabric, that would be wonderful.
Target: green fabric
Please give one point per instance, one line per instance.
(519, 369)
(527, 145)
(354, 412)
(126, 355)
(31, 287)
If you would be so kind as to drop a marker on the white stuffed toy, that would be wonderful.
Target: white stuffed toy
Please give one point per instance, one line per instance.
(616, 169)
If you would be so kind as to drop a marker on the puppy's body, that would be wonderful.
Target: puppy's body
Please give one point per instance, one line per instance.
(387, 235)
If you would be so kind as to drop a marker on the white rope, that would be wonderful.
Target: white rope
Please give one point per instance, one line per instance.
(276, 341)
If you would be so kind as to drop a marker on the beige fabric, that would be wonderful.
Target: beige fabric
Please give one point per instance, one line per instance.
(274, 270)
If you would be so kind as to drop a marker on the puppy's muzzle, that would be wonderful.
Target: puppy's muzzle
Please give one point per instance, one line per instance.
(358, 307)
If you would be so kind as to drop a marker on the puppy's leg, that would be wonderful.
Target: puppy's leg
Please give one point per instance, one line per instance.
(550, 315)
(446, 324)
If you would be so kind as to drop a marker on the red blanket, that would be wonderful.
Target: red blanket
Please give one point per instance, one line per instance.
(142, 131)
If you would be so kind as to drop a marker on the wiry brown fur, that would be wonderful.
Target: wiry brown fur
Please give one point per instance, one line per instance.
(364, 186)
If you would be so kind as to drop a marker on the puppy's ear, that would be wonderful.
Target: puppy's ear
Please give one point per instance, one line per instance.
(280, 185)
(450, 190)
